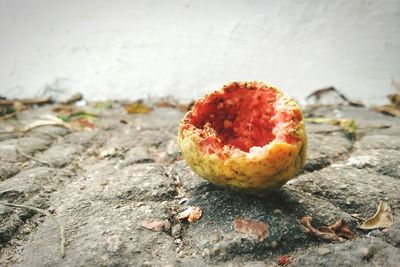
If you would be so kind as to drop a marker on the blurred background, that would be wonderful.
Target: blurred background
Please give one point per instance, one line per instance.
(182, 48)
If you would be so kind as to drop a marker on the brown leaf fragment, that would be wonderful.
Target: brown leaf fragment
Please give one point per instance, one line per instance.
(86, 124)
(29, 101)
(195, 215)
(191, 214)
(341, 228)
(336, 232)
(383, 218)
(156, 225)
(391, 110)
(257, 230)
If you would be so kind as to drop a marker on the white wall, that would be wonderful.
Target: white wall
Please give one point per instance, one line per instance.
(133, 49)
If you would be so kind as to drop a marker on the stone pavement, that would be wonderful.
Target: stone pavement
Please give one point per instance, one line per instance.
(101, 185)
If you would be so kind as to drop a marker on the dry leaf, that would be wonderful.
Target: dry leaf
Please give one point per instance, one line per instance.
(104, 105)
(85, 123)
(77, 119)
(192, 214)
(389, 110)
(137, 107)
(395, 99)
(258, 230)
(341, 228)
(44, 121)
(156, 225)
(195, 215)
(383, 218)
(338, 231)
(347, 125)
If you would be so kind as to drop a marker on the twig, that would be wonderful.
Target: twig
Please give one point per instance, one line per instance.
(8, 116)
(355, 216)
(8, 132)
(320, 92)
(10, 191)
(296, 259)
(368, 128)
(50, 123)
(31, 157)
(29, 101)
(48, 214)
(328, 131)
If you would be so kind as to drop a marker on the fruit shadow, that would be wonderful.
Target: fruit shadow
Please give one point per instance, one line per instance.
(279, 210)
(279, 201)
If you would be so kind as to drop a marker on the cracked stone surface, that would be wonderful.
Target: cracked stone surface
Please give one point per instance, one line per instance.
(102, 184)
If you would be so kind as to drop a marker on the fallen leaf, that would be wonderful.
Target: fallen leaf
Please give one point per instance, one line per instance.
(393, 108)
(383, 218)
(336, 232)
(85, 124)
(81, 114)
(137, 107)
(283, 260)
(77, 119)
(156, 225)
(323, 232)
(395, 100)
(44, 121)
(347, 125)
(195, 215)
(257, 230)
(389, 110)
(191, 214)
(341, 228)
(104, 105)
(319, 120)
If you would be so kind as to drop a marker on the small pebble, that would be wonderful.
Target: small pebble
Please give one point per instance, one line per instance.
(323, 251)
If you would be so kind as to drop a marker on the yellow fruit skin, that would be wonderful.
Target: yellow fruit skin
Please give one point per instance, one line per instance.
(251, 173)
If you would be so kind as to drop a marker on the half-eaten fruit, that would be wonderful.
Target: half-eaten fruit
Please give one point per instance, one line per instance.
(247, 135)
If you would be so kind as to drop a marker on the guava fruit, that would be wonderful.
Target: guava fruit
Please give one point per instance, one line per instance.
(248, 136)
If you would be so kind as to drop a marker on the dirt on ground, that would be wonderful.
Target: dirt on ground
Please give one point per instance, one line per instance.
(113, 191)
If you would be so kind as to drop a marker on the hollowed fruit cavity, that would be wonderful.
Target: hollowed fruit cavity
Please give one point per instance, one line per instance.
(241, 117)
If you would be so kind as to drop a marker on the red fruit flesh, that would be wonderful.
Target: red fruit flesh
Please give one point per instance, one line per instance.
(243, 117)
